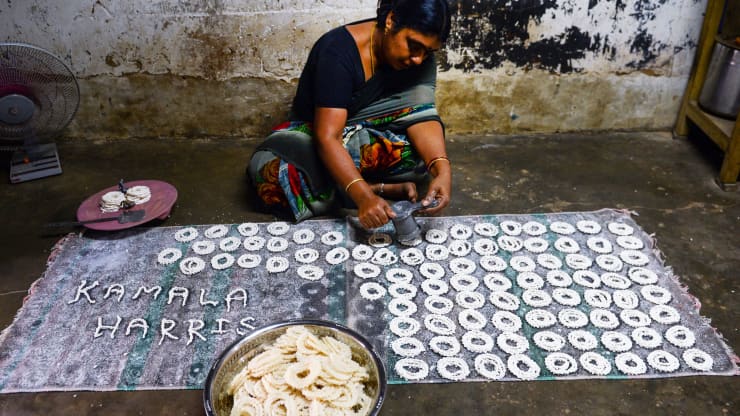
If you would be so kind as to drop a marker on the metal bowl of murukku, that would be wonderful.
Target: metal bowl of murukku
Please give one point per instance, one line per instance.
(230, 363)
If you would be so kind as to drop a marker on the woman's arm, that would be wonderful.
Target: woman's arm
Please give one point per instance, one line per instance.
(428, 140)
(373, 211)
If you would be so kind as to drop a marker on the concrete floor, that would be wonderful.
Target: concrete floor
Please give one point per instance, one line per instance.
(668, 182)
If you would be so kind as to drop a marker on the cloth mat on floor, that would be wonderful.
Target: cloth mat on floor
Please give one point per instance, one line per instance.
(564, 296)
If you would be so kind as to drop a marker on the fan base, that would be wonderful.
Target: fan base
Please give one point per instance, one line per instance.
(35, 162)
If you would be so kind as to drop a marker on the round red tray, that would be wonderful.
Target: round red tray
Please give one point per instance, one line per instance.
(159, 206)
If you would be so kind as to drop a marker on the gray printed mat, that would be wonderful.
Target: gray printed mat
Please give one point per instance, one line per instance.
(499, 297)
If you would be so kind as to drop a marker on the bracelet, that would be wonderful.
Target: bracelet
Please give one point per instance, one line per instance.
(352, 182)
(435, 160)
(382, 185)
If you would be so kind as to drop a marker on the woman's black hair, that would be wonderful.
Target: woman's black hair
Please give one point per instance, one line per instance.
(430, 17)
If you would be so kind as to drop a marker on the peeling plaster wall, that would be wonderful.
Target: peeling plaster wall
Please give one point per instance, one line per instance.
(193, 68)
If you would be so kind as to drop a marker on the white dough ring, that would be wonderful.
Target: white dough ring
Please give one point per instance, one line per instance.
(337, 255)
(439, 324)
(597, 298)
(588, 227)
(615, 281)
(460, 232)
(437, 252)
(462, 265)
(216, 231)
(438, 304)
(254, 243)
(398, 275)
(630, 242)
(332, 238)
(511, 227)
(634, 257)
(548, 341)
(620, 229)
(277, 244)
(401, 307)
(230, 244)
(630, 363)
(485, 229)
(407, 347)
(402, 290)
(411, 369)
(248, 229)
(303, 236)
(536, 245)
(278, 228)
(249, 260)
(504, 300)
(222, 261)
(445, 346)
(186, 235)
(453, 368)
(372, 290)
(566, 245)
(477, 342)
(485, 247)
(625, 299)
(464, 282)
(169, 256)
(493, 263)
(306, 255)
(656, 294)
(540, 318)
(362, 252)
(311, 272)
(490, 366)
(203, 247)
(384, 257)
(578, 261)
(534, 228)
(366, 270)
(435, 236)
(595, 363)
(497, 282)
(664, 314)
(642, 276)
(510, 243)
(470, 300)
(634, 318)
(529, 280)
(434, 287)
(549, 261)
(663, 361)
(599, 245)
(506, 321)
(566, 297)
(523, 367)
(522, 264)
(432, 270)
(698, 359)
(560, 363)
(276, 264)
(460, 248)
(603, 318)
(380, 240)
(647, 337)
(536, 298)
(680, 336)
(512, 343)
(562, 228)
(559, 278)
(412, 256)
(609, 262)
(616, 341)
(572, 318)
(404, 326)
(191, 265)
(471, 320)
(582, 340)
(586, 278)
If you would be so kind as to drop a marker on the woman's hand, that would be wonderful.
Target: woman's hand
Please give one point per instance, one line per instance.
(374, 211)
(440, 189)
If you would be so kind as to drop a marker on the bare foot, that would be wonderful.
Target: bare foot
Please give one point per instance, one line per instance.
(396, 191)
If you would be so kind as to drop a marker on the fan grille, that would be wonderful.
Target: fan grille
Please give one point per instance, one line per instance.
(44, 79)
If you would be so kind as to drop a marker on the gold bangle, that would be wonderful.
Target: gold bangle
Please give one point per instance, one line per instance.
(352, 182)
(435, 160)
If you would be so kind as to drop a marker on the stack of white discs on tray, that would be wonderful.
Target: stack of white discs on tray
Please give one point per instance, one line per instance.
(111, 201)
(138, 194)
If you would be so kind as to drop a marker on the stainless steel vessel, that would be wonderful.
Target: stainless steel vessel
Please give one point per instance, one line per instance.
(720, 94)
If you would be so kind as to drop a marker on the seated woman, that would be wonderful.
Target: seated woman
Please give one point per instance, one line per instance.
(363, 124)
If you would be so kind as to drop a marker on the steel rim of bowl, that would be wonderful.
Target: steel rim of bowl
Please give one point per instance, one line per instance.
(382, 379)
